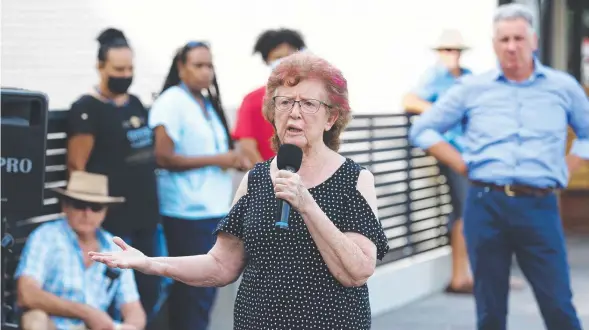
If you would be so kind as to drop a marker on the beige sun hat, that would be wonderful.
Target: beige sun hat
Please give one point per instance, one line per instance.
(88, 187)
(450, 39)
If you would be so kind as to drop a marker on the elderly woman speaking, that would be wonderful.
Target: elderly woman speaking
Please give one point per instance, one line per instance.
(314, 274)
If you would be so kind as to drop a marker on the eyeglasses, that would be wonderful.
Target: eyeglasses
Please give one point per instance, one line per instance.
(283, 103)
(82, 206)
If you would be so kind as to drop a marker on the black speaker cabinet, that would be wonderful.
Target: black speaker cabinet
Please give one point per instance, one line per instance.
(24, 133)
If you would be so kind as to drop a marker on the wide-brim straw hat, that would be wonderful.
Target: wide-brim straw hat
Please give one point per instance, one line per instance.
(450, 39)
(88, 187)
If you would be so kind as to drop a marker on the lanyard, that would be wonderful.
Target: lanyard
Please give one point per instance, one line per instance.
(207, 114)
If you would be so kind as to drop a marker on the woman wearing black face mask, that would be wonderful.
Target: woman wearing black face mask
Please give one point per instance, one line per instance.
(108, 134)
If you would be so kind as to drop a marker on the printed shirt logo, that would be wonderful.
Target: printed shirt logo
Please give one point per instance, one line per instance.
(135, 121)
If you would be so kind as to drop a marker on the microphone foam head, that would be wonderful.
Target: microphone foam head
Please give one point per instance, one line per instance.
(289, 155)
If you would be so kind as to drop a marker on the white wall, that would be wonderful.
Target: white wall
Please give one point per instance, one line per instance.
(382, 46)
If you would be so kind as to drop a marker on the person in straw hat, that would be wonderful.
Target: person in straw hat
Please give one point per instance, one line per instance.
(436, 81)
(58, 285)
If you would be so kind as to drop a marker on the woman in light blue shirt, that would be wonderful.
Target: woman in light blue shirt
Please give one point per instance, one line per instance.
(194, 152)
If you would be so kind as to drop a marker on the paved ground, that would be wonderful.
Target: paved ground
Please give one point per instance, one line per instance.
(450, 312)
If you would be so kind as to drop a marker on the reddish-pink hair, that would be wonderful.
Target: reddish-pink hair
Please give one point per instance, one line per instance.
(298, 67)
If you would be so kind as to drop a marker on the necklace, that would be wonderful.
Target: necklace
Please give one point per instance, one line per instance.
(109, 100)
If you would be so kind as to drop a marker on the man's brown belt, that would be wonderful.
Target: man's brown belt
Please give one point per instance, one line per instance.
(516, 189)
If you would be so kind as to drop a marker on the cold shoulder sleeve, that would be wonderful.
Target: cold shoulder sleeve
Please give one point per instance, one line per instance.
(233, 222)
(360, 219)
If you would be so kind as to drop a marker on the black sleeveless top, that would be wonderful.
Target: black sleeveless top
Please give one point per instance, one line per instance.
(286, 283)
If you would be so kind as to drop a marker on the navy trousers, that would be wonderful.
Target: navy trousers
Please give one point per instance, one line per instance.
(189, 306)
(149, 286)
(152, 289)
(496, 227)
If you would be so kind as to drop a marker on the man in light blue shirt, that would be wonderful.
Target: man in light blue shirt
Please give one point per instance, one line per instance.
(516, 119)
(59, 286)
(436, 81)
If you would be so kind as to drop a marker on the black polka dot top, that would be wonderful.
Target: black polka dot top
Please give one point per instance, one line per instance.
(286, 283)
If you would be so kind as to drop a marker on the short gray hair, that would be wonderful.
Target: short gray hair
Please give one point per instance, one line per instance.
(513, 11)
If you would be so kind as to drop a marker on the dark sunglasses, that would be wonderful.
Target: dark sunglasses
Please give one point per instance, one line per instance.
(82, 206)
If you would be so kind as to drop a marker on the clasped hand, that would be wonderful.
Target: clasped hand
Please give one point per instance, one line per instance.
(234, 159)
(288, 186)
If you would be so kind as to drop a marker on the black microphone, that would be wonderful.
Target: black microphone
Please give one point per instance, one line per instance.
(289, 158)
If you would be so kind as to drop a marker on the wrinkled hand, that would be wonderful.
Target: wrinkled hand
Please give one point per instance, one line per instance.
(129, 257)
(289, 187)
(125, 326)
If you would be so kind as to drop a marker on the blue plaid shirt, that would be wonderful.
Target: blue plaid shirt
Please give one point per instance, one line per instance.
(53, 257)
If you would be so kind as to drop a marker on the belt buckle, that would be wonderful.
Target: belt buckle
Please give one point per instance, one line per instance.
(508, 191)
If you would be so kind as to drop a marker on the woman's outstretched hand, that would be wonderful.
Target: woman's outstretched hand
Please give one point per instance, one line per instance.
(129, 257)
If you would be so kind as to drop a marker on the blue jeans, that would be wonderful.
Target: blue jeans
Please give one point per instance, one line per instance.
(497, 226)
(189, 306)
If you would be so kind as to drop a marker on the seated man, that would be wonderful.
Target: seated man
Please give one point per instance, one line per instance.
(59, 286)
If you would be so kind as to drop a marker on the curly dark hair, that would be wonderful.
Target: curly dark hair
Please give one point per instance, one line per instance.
(271, 39)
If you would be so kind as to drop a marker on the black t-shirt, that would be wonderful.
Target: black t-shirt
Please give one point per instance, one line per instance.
(123, 150)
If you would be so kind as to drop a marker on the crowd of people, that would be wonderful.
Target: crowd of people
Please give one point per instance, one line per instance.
(134, 174)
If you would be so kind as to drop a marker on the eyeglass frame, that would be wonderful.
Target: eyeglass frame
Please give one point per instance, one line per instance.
(300, 106)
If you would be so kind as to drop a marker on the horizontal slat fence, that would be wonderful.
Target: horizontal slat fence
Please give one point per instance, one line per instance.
(413, 199)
